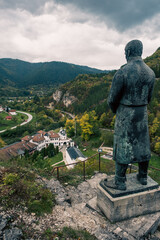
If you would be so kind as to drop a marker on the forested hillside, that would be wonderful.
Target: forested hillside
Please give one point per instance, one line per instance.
(91, 91)
(154, 62)
(17, 73)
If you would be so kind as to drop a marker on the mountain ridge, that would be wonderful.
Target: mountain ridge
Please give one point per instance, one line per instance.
(21, 73)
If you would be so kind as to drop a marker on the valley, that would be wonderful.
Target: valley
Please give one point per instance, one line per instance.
(75, 100)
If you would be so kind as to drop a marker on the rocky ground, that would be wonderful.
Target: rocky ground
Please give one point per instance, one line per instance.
(73, 210)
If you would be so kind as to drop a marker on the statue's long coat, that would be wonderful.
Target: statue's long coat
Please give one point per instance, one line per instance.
(130, 93)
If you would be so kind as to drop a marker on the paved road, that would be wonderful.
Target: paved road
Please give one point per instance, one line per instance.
(29, 118)
(70, 114)
(25, 122)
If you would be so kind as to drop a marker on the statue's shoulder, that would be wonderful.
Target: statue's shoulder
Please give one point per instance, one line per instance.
(119, 73)
(151, 72)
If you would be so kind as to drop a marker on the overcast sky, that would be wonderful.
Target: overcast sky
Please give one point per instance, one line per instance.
(85, 32)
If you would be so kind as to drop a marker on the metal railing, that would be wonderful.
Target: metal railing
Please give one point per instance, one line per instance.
(79, 162)
(57, 168)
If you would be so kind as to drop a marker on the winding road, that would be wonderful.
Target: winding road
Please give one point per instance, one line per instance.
(70, 114)
(23, 123)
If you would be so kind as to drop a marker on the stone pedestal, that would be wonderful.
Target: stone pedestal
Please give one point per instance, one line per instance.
(135, 201)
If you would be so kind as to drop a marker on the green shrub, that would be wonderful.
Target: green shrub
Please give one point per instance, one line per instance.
(10, 178)
(67, 233)
(70, 233)
(18, 187)
(107, 138)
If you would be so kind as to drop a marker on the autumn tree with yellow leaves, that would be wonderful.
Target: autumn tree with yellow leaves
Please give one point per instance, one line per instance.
(89, 125)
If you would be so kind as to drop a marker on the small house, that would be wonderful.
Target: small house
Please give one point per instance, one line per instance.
(8, 118)
(73, 154)
(13, 112)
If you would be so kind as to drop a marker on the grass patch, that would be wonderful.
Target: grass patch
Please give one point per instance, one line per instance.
(19, 188)
(76, 175)
(107, 137)
(57, 158)
(68, 233)
(155, 161)
(57, 130)
(41, 166)
(16, 120)
(153, 173)
(60, 164)
(88, 152)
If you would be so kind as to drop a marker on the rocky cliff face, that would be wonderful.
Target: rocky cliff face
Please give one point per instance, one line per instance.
(57, 95)
(66, 98)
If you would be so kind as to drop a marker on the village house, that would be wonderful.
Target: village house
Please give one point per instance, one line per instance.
(1, 109)
(8, 118)
(73, 154)
(16, 149)
(13, 112)
(37, 142)
(27, 138)
(42, 139)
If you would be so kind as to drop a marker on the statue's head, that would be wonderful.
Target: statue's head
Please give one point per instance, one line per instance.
(133, 49)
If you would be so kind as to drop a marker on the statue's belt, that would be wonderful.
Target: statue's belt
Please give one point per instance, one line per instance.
(133, 105)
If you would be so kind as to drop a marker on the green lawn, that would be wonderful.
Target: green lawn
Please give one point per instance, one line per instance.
(16, 120)
(56, 130)
(88, 152)
(155, 161)
(60, 164)
(153, 173)
(56, 159)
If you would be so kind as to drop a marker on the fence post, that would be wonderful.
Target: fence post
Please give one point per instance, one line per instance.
(99, 161)
(84, 171)
(58, 173)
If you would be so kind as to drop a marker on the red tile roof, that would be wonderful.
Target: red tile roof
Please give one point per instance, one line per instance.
(12, 110)
(41, 132)
(9, 117)
(14, 149)
(38, 138)
(53, 135)
(26, 138)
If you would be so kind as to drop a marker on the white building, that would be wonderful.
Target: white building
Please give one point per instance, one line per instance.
(1, 109)
(42, 139)
(62, 133)
(73, 154)
(13, 112)
(39, 140)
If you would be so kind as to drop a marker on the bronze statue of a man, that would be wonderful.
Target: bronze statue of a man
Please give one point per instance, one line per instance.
(130, 93)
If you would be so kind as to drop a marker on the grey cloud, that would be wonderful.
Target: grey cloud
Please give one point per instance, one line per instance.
(121, 14)
(31, 6)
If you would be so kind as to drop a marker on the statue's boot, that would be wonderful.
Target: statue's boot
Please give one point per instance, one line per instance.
(118, 183)
(142, 179)
(142, 175)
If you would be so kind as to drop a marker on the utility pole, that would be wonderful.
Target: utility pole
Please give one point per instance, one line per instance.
(75, 127)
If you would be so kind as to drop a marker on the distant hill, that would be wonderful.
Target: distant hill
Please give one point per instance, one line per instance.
(86, 92)
(154, 62)
(20, 74)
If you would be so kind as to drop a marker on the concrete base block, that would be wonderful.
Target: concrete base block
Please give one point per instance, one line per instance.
(129, 205)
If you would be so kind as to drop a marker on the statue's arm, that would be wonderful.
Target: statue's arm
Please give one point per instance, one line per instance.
(116, 91)
(151, 87)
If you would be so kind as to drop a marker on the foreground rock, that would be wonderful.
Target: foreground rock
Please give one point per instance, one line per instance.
(7, 231)
(76, 208)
